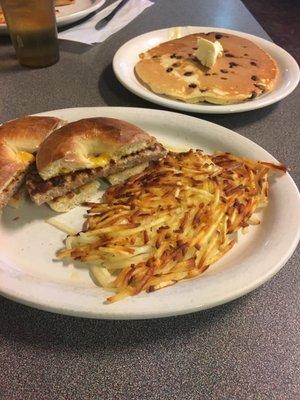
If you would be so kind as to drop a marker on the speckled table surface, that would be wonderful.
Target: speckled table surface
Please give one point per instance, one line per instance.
(247, 349)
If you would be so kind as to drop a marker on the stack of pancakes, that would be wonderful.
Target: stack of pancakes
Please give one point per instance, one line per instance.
(244, 71)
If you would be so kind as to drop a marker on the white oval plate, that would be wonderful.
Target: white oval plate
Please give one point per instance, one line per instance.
(128, 55)
(30, 274)
(68, 14)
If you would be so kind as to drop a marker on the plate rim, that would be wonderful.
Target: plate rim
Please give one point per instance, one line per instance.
(255, 104)
(184, 310)
(80, 14)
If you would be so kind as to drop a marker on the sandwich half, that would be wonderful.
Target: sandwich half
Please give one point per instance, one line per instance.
(19, 141)
(83, 151)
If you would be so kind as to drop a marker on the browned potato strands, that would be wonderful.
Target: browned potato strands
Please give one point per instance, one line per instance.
(170, 222)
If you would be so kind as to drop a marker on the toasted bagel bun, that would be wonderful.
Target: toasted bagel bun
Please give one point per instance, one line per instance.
(19, 141)
(75, 198)
(89, 143)
(120, 177)
(14, 186)
(17, 200)
(243, 72)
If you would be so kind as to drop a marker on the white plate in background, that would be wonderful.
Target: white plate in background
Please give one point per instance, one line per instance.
(30, 274)
(74, 12)
(68, 14)
(128, 55)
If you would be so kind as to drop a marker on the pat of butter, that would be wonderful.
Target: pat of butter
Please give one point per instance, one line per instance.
(208, 52)
(101, 160)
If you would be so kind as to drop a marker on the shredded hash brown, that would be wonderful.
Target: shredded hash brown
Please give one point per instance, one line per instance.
(170, 222)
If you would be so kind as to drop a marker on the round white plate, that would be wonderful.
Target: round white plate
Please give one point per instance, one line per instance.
(30, 274)
(68, 14)
(128, 55)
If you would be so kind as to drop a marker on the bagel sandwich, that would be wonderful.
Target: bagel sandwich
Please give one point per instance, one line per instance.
(19, 142)
(81, 152)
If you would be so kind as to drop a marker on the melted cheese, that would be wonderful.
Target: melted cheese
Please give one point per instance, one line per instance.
(25, 157)
(97, 161)
(100, 161)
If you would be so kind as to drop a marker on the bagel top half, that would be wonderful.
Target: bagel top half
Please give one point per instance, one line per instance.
(89, 143)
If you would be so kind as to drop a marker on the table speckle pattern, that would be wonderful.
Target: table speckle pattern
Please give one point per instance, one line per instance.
(247, 349)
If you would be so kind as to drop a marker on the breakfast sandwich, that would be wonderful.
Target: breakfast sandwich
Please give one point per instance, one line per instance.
(76, 155)
(237, 70)
(19, 141)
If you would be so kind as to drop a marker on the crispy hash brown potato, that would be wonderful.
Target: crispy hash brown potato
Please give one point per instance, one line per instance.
(171, 221)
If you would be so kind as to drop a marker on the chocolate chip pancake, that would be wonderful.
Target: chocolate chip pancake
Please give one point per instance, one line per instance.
(244, 71)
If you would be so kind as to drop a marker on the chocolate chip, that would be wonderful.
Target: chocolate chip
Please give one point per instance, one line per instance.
(219, 36)
(214, 73)
(253, 63)
(224, 78)
(173, 55)
(178, 57)
(175, 65)
(188, 73)
(229, 55)
(233, 64)
(203, 90)
(246, 55)
(192, 85)
(169, 69)
(254, 77)
(155, 56)
(207, 74)
(253, 94)
(224, 71)
(195, 48)
(190, 54)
